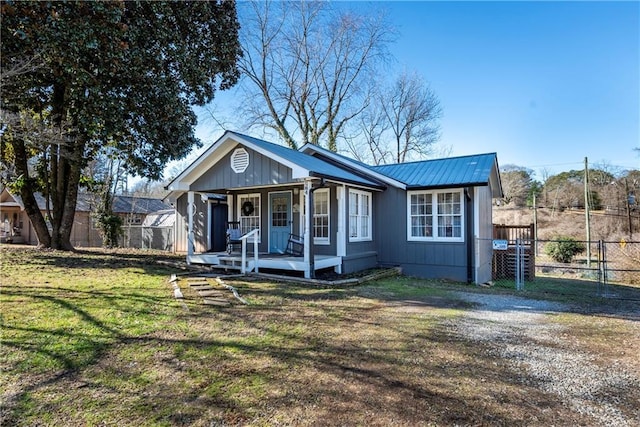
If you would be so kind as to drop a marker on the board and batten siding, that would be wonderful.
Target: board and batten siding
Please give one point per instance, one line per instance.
(422, 259)
(200, 223)
(261, 171)
(483, 233)
(360, 255)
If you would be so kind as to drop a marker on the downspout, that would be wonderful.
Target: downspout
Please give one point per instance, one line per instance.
(468, 213)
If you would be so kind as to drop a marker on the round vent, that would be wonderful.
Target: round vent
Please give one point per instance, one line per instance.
(239, 160)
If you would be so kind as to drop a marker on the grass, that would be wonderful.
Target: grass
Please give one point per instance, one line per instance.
(96, 338)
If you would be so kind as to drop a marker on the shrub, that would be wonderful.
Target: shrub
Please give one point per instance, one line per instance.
(563, 249)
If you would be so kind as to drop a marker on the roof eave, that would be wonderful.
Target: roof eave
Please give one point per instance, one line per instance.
(446, 186)
(354, 166)
(347, 181)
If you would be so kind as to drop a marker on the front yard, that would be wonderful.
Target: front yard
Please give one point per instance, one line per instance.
(96, 338)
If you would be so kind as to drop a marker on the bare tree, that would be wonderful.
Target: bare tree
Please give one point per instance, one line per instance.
(401, 123)
(369, 144)
(308, 67)
(516, 184)
(412, 109)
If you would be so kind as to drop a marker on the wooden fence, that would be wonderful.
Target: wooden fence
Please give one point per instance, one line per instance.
(504, 261)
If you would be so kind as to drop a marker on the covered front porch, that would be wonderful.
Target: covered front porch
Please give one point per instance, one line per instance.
(255, 262)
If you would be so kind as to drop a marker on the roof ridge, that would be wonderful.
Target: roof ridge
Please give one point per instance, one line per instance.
(435, 160)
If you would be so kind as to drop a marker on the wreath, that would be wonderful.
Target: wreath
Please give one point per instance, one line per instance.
(247, 208)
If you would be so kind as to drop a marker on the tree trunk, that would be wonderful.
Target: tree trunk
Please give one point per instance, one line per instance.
(28, 199)
(74, 169)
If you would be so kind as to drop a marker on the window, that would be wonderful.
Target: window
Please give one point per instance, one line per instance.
(321, 216)
(359, 215)
(249, 212)
(435, 215)
(133, 219)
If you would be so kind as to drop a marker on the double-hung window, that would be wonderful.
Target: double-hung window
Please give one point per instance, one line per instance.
(359, 215)
(249, 212)
(321, 216)
(435, 215)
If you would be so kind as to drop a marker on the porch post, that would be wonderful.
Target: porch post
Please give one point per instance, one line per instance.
(308, 239)
(341, 237)
(190, 236)
(229, 207)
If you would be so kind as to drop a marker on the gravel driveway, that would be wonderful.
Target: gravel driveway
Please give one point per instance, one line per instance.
(520, 332)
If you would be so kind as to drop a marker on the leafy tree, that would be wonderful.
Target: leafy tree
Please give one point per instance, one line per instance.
(113, 73)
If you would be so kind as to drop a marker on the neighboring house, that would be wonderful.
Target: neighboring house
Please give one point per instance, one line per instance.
(432, 218)
(17, 228)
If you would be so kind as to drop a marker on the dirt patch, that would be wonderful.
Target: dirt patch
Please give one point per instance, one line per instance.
(518, 331)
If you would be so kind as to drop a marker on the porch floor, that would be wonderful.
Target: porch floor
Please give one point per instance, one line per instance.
(265, 260)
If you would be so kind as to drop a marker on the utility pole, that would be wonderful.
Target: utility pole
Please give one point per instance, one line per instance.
(627, 195)
(535, 226)
(586, 210)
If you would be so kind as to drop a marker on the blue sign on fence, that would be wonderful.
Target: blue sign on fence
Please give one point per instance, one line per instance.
(500, 245)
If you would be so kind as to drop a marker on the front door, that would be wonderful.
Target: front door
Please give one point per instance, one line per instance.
(279, 221)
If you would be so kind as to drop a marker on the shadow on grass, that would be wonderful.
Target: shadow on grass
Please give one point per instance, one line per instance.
(336, 375)
(301, 355)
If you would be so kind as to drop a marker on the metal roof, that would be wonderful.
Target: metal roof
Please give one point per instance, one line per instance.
(316, 167)
(453, 171)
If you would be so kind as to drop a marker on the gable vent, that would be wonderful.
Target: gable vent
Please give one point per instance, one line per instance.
(239, 160)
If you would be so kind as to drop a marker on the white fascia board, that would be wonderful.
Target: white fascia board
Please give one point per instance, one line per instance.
(297, 171)
(495, 181)
(312, 147)
(216, 152)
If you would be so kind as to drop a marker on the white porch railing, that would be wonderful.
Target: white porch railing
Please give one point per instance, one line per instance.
(255, 234)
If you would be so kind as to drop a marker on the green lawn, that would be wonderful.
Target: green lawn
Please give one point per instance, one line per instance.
(96, 338)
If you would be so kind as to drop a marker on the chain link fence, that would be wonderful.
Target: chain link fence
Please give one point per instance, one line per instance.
(596, 268)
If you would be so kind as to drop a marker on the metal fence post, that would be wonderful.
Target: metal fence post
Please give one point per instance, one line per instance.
(518, 265)
(600, 267)
(604, 269)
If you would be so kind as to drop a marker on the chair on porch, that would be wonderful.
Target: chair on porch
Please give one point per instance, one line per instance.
(233, 235)
(295, 245)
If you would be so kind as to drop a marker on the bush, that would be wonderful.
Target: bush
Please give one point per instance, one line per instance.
(563, 249)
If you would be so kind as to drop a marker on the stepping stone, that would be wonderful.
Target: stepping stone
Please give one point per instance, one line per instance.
(216, 301)
(195, 284)
(203, 289)
(211, 293)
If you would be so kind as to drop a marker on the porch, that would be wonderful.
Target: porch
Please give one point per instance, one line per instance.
(272, 261)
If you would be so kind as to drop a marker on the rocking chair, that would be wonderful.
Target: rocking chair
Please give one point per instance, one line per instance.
(234, 235)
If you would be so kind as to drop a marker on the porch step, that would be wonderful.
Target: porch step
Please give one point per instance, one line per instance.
(234, 263)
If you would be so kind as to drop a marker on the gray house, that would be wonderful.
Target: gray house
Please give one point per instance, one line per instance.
(432, 218)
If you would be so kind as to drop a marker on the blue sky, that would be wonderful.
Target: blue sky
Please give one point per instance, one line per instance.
(543, 84)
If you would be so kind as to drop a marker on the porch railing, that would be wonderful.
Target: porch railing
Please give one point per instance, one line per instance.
(255, 234)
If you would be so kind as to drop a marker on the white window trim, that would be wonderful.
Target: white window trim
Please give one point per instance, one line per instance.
(434, 201)
(370, 222)
(303, 214)
(239, 210)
